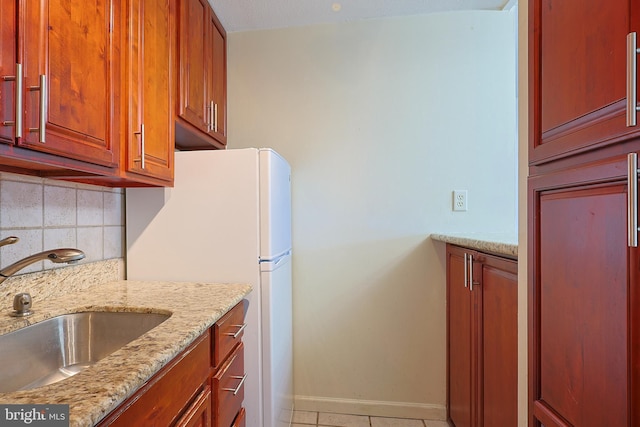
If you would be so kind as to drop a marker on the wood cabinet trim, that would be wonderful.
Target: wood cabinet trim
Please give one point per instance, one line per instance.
(133, 410)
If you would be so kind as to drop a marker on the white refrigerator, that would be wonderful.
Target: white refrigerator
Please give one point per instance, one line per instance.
(228, 219)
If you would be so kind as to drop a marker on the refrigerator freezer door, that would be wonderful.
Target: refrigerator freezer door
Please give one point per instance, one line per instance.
(275, 205)
(277, 345)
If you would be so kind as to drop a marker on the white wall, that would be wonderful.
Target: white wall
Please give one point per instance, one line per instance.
(380, 121)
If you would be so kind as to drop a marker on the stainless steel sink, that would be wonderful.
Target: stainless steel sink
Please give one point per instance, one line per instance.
(60, 347)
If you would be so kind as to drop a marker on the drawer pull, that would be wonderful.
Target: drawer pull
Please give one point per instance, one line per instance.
(237, 389)
(235, 335)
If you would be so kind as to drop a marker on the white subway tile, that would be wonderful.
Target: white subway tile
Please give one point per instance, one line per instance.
(59, 206)
(113, 208)
(113, 242)
(22, 204)
(90, 207)
(90, 241)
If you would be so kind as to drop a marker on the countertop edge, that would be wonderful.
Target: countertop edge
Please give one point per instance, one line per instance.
(499, 244)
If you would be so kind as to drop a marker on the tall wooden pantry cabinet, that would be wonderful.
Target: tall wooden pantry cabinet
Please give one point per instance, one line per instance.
(583, 266)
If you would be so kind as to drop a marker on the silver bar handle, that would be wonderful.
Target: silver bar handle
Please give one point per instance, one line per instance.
(215, 117)
(208, 118)
(212, 118)
(41, 129)
(237, 389)
(632, 200)
(466, 272)
(18, 78)
(142, 148)
(632, 69)
(235, 335)
(471, 272)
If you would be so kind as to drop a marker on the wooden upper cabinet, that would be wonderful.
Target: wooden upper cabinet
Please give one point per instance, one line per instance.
(70, 58)
(193, 99)
(8, 61)
(218, 79)
(578, 58)
(201, 107)
(149, 51)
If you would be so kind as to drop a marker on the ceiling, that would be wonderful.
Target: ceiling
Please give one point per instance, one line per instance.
(248, 15)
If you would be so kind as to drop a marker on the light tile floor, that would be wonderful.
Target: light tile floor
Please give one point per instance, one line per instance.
(323, 419)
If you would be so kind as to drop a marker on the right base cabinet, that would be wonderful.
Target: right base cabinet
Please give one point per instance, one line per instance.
(482, 300)
(583, 264)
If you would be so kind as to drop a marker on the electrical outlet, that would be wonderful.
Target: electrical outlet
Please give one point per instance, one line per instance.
(459, 200)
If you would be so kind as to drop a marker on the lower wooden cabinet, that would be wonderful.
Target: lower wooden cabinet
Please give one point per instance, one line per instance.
(228, 386)
(199, 413)
(191, 391)
(482, 365)
(165, 397)
(241, 419)
(229, 376)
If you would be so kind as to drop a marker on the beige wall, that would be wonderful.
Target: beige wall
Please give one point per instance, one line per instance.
(380, 121)
(523, 127)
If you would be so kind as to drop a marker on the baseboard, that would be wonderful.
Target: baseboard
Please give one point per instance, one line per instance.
(371, 407)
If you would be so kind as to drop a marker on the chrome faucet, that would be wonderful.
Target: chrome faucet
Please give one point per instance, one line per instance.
(63, 255)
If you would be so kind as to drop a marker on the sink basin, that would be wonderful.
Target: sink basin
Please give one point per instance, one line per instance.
(60, 347)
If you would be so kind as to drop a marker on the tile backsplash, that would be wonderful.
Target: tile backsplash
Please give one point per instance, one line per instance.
(48, 214)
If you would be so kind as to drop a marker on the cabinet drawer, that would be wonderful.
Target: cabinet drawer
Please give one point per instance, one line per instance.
(166, 394)
(241, 419)
(199, 413)
(228, 388)
(227, 333)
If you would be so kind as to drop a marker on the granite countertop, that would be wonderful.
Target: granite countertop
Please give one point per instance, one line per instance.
(496, 243)
(97, 390)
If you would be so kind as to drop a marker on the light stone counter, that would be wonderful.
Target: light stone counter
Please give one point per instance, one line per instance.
(495, 243)
(97, 390)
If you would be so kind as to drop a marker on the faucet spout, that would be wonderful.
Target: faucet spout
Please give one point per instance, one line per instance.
(58, 256)
(8, 240)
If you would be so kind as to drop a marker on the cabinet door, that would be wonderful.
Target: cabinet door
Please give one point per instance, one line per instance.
(199, 413)
(217, 70)
(150, 117)
(193, 104)
(71, 71)
(583, 301)
(176, 394)
(578, 75)
(498, 342)
(241, 419)
(459, 335)
(8, 60)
